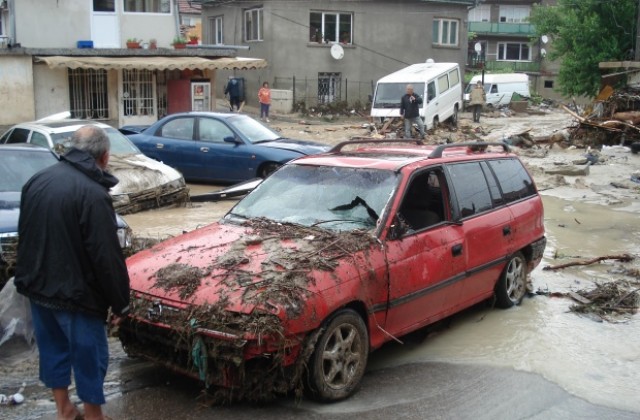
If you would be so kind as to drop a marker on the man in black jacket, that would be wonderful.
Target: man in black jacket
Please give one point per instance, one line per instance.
(410, 111)
(71, 267)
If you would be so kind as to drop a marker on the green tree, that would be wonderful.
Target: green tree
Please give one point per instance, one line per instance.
(585, 33)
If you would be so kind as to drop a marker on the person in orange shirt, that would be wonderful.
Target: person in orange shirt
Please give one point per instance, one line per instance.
(264, 96)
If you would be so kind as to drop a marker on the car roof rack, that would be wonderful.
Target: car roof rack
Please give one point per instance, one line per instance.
(474, 146)
(369, 140)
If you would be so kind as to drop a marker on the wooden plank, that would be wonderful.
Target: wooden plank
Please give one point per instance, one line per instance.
(579, 298)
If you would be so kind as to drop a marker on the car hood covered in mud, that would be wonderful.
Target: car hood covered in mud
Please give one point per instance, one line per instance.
(273, 267)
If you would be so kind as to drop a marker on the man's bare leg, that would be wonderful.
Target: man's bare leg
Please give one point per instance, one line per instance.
(66, 409)
(93, 412)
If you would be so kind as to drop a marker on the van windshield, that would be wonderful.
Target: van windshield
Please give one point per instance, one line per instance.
(388, 95)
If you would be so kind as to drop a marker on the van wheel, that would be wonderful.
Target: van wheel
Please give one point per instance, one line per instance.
(512, 285)
(454, 117)
(436, 123)
(339, 359)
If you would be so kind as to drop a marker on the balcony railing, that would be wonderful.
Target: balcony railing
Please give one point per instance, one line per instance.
(501, 28)
(476, 62)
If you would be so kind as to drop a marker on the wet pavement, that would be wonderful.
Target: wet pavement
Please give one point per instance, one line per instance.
(536, 361)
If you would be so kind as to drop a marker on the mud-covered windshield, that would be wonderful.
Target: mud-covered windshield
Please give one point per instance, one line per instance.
(17, 166)
(252, 129)
(388, 95)
(330, 197)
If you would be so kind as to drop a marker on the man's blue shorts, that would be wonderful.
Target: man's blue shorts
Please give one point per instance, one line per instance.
(72, 340)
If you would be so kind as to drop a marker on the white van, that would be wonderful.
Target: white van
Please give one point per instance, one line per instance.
(500, 87)
(437, 83)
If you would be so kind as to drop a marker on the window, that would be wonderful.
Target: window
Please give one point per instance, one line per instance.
(443, 83)
(514, 14)
(513, 51)
(471, 190)
(480, 13)
(445, 32)
(88, 94)
(214, 131)
(329, 87)
(514, 180)
(18, 135)
(147, 6)
(431, 91)
(548, 84)
(253, 25)
(39, 139)
(215, 30)
(104, 6)
(454, 77)
(331, 27)
(137, 91)
(178, 128)
(423, 204)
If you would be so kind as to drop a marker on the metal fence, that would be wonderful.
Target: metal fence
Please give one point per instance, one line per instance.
(325, 89)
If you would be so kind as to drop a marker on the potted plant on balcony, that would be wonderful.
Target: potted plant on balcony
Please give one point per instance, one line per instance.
(133, 43)
(179, 43)
(193, 40)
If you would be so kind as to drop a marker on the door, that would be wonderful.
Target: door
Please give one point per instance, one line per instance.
(220, 159)
(105, 24)
(426, 265)
(137, 92)
(430, 103)
(173, 144)
(178, 96)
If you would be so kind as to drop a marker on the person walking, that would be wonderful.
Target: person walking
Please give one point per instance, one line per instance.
(233, 90)
(71, 267)
(264, 96)
(410, 112)
(477, 100)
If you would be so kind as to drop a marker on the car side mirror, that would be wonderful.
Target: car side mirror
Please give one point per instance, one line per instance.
(397, 229)
(231, 139)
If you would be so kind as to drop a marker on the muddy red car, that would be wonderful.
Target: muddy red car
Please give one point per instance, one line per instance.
(332, 256)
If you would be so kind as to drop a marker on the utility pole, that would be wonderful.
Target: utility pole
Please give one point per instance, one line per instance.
(637, 46)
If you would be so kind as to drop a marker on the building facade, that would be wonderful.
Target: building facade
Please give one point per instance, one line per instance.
(297, 39)
(501, 39)
(70, 55)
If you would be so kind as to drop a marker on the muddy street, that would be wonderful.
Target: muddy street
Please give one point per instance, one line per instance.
(537, 360)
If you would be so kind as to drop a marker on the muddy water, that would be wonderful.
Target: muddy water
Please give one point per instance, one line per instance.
(597, 361)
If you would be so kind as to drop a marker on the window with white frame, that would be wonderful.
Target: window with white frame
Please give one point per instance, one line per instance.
(514, 14)
(215, 30)
(445, 32)
(480, 13)
(331, 27)
(514, 51)
(147, 6)
(88, 94)
(253, 24)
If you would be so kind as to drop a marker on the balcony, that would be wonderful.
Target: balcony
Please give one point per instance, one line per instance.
(476, 62)
(501, 28)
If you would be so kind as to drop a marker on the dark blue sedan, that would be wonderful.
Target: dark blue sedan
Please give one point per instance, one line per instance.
(207, 146)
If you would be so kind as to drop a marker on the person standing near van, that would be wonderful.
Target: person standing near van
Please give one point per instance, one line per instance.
(477, 100)
(410, 111)
(264, 96)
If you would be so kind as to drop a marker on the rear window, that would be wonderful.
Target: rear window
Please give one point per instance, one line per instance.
(454, 77)
(471, 189)
(513, 179)
(443, 83)
(18, 135)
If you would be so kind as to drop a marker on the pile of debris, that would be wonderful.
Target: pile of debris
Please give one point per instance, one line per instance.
(614, 119)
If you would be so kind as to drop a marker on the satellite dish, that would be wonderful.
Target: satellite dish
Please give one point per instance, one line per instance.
(478, 47)
(337, 51)
(543, 52)
(544, 39)
(430, 61)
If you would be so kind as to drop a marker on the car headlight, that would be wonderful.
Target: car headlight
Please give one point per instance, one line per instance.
(124, 237)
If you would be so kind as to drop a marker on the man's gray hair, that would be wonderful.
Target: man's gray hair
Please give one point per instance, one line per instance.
(410, 87)
(91, 139)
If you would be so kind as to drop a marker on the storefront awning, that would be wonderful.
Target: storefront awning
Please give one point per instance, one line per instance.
(153, 63)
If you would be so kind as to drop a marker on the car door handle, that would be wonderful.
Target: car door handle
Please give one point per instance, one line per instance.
(159, 146)
(456, 250)
(506, 231)
(204, 149)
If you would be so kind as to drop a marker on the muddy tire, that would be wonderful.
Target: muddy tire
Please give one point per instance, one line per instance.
(512, 285)
(340, 358)
(267, 169)
(454, 117)
(436, 123)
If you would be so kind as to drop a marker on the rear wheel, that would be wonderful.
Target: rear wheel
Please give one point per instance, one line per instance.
(340, 358)
(267, 169)
(512, 285)
(454, 117)
(436, 122)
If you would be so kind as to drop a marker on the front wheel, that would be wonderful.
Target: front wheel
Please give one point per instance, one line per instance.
(454, 117)
(340, 358)
(267, 169)
(436, 123)
(512, 285)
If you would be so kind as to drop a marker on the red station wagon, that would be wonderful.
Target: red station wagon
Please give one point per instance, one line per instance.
(332, 256)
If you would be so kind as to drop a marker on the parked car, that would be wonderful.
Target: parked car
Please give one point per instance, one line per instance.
(144, 183)
(332, 256)
(18, 163)
(216, 147)
(500, 88)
